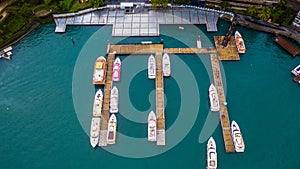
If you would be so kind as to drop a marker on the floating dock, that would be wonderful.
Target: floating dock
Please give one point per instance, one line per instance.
(106, 100)
(134, 49)
(289, 47)
(224, 117)
(297, 79)
(189, 50)
(226, 53)
(160, 106)
(158, 49)
(153, 48)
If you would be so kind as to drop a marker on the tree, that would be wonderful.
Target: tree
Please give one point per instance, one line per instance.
(252, 10)
(156, 3)
(97, 3)
(265, 13)
(182, 1)
(224, 5)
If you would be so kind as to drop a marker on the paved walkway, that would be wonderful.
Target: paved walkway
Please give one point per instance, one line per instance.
(139, 24)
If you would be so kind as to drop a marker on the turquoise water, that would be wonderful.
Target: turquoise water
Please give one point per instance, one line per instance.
(42, 118)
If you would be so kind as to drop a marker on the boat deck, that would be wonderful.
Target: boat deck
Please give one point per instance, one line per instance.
(160, 108)
(226, 53)
(106, 100)
(224, 117)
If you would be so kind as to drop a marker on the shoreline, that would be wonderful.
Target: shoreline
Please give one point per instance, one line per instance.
(21, 35)
(263, 26)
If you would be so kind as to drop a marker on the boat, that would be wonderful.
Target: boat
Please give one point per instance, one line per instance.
(95, 131)
(296, 71)
(151, 126)
(116, 70)
(239, 41)
(99, 71)
(297, 79)
(98, 103)
(214, 99)
(112, 129)
(237, 137)
(151, 67)
(6, 53)
(181, 27)
(212, 160)
(114, 100)
(166, 65)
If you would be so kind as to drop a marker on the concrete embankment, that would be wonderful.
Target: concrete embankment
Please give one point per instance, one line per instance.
(264, 26)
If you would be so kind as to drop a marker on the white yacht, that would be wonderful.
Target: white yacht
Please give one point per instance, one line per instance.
(166, 65)
(212, 161)
(237, 137)
(114, 100)
(98, 103)
(151, 126)
(95, 131)
(296, 71)
(116, 70)
(112, 130)
(151, 67)
(214, 99)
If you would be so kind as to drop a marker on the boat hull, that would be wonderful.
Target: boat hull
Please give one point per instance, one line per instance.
(240, 44)
(95, 131)
(211, 150)
(237, 137)
(166, 65)
(214, 99)
(296, 71)
(114, 100)
(98, 100)
(151, 67)
(151, 126)
(116, 75)
(99, 71)
(112, 129)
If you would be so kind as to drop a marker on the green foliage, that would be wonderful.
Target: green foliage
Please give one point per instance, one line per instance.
(12, 24)
(97, 3)
(65, 5)
(279, 14)
(224, 5)
(182, 1)
(157, 3)
(265, 13)
(47, 2)
(252, 11)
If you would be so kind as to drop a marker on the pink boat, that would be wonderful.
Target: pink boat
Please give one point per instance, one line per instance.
(116, 74)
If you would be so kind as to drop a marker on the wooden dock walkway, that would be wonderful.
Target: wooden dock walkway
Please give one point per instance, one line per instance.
(189, 50)
(289, 47)
(134, 49)
(226, 53)
(224, 117)
(106, 100)
(160, 108)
